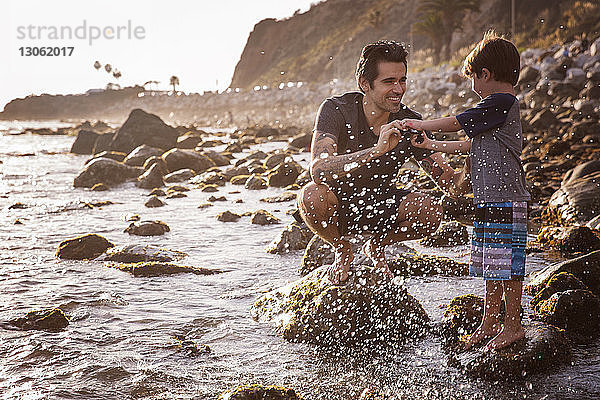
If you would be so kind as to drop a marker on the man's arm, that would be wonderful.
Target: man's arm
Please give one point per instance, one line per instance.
(327, 166)
(444, 176)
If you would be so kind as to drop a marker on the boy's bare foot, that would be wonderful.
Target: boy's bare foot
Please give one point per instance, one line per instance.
(338, 271)
(483, 333)
(377, 256)
(506, 337)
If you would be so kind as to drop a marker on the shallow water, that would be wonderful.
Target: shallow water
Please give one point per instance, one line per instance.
(120, 341)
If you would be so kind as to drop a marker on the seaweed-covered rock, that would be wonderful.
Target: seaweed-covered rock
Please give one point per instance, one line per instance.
(573, 310)
(293, 237)
(585, 268)
(462, 316)
(139, 155)
(83, 247)
(53, 320)
(263, 217)
(557, 283)
(135, 253)
(366, 309)
(411, 264)
(107, 171)
(544, 347)
(147, 228)
(152, 178)
(568, 240)
(155, 268)
(255, 392)
(448, 234)
(228, 216)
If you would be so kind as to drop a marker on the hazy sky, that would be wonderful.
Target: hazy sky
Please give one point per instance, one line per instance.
(199, 41)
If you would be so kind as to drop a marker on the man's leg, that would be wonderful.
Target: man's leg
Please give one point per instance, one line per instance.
(419, 215)
(490, 325)
(318, 206)
(512, 329)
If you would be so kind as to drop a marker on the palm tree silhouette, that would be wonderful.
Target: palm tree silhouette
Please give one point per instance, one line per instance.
(174, 81)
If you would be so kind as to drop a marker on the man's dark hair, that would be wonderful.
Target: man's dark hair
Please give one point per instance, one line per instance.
(498, 55)
(372, 54)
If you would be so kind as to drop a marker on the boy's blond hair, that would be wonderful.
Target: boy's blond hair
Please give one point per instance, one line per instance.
(498, 55)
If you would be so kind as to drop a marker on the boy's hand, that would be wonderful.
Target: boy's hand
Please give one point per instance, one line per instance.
(412, 124)
(421, 141)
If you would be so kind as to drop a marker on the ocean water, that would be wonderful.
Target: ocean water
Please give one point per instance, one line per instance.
(120, 342)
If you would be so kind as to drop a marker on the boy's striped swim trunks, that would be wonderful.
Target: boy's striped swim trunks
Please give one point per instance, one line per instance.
(499, 241)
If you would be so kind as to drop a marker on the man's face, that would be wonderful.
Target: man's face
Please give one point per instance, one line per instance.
(388, 87)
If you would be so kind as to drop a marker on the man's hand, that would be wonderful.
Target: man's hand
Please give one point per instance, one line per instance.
(422, 141)
(389, 137)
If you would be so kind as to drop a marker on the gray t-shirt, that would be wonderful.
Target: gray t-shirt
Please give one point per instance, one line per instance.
(494, 125)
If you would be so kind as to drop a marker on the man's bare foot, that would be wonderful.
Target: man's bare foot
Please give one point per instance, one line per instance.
(338, 271)
(377, 256)
(506, 337)
(483, 333)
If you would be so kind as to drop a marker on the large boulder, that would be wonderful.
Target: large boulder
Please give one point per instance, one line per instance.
(144, 128)
(152, 178)
(107, 171)
(558, 283)
(573, 310)
(293, 237)
(53, 320)
(83, 247)
(103, 143)
(578, 198)
(544, 347)
(140, 154)
(84, 143)
(177, 159)
(366, 309)
(135, 253)
(585, 268)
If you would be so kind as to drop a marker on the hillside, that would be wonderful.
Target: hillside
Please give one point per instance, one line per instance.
(324, 42)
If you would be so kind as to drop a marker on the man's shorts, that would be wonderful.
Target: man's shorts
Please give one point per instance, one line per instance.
(499, 241)
(371, 210)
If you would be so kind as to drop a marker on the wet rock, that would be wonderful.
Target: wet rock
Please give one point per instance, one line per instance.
(190, 348)
(153, 268)
(284, 174)
(254, 182)
(135, 253)
(367, 309)
(544, 347)
(318, 252)
(235, 171)
(585, 268)
(107, 171)
(228, 216)
(140, 154)
(83, 247)
(263, 217)
(18, 222)
(181, 175)
(205, 205)
(84, 143)
(188, 141)
(462, 316)
(154, 201)
(219, 159)
(557, 283)
(293, 237)
(275, 159)
(233, 148)
(178, 188)
(211, 178)
(543, 120)
(209, 188)
(448, 234)
(283, 197)
(144, 128)
(151, 179)
(17, 206)
(573, 310)
(177, 159)
(301, 141)
(103, 143)
(408, 264)
(100, 187)
(213, 198)
(113, 155)
(147, 228)
(576, 239)
(157, 192)
(255, 392)
(150, 161)
(239, 179)
(53, 320)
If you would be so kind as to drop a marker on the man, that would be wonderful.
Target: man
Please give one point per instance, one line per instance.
(357, 150)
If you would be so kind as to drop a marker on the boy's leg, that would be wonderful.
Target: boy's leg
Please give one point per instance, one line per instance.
(490, 325)
(512, 329)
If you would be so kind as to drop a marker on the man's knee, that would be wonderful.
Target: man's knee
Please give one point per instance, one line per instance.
(315, 198)
(431, 217)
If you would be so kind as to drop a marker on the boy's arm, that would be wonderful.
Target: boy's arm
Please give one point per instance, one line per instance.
(449, 147)
(447, 124)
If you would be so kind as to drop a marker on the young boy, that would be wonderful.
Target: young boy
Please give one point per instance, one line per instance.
(494, 146)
